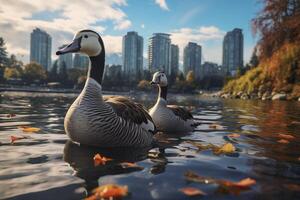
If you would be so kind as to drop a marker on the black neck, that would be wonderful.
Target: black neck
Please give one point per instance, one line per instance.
(97, 67)
(163, 90)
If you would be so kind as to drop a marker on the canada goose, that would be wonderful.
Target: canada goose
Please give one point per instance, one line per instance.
(169, 118)
(107, 122)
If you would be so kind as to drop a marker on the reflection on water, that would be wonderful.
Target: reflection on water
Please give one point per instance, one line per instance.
(47, 165)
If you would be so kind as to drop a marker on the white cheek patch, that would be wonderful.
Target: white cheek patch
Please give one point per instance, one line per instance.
(90, 46)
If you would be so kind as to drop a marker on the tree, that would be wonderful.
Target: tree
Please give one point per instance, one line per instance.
(74, 74)
(144, 85)
(276, 24)
(62, 74)
(190, 77)
(34, 72)
(53, 76)
(12, 72)
(3, 53)
(254, 58)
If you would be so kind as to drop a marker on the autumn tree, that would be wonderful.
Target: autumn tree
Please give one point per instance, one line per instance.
(190, 77)
(278, 23)
(34, 72)
(12, 72)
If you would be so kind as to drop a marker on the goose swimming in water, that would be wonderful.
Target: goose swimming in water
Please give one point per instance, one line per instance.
(169, 118)
(107, 122)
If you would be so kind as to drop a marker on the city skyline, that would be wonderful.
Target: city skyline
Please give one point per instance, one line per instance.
(204, 22)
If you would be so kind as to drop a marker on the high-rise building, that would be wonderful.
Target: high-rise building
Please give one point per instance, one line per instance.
(174, 59)
(40, 48)
(132, 52)
(192, 59)
(159, 53)
(233, 50)
(66, 58)
(81, 61)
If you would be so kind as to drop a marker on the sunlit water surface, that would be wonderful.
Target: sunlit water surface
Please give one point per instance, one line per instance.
(48, 166)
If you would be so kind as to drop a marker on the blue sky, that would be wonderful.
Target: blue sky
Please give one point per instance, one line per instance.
(201, 21)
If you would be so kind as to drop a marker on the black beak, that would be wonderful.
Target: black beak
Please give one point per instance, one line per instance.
(71, 48)
(152, 83)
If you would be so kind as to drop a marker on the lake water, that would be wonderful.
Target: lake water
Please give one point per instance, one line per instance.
(48, 166)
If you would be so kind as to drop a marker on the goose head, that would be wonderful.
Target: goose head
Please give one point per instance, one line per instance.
(159, 78)
(87, 42)
(90, 43)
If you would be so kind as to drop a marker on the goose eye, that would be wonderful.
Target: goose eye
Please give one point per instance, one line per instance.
(86, 36)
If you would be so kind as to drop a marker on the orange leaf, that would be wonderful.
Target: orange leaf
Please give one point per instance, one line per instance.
(234, 135)
(28, 129)
(130, 165)
(100, 160)
(15, 138)
(293, 187)
(283, 141)
(109, 191)
(286, 136)
(242, 184)
(190, 191)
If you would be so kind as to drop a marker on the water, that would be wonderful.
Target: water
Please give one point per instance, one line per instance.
(48, 166)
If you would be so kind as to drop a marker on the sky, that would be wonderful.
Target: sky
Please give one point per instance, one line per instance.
(202, 21)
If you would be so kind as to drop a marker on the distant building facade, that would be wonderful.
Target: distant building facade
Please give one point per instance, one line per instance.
(192, 59)
(233, 51)
(174, 59)
(159, 53)
(132, 52)
(40, 48)
(81, 61)
(66, 58)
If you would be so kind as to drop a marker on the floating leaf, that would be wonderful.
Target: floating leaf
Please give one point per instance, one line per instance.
(226, 148)
(216, 126)
(192, 176)
(234, 135)
(130, 165)
(202, 147)
(190, 191)
(15, 138)
(10, 115)
(109, 191)
(283, 141)
(242, 184)
(100, 160)
(286, 136)
(293, 187)
(28, 129)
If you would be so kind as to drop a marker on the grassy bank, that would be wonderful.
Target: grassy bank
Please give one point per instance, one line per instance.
(279, 73)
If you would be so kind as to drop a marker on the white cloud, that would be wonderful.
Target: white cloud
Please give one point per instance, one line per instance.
(124, 24)
(113, 44)
(209, 37)
(142, 25)
(17, 22)
(162, 4)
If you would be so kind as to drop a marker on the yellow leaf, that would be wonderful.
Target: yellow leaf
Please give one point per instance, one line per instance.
(28, 129)
(226, 148)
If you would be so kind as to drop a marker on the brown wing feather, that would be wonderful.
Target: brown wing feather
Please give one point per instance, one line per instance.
(128, 109)
(180, 112)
